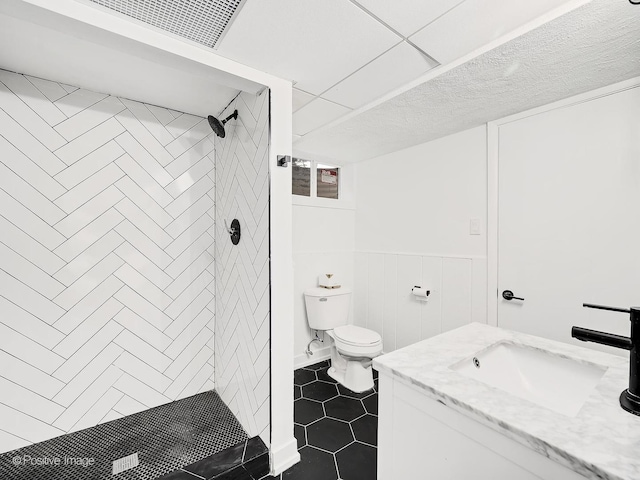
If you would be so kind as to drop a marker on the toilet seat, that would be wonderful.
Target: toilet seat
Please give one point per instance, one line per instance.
(357, 342)
(356, 336)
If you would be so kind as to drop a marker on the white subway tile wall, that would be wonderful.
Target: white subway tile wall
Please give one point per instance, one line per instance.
(106, 258)
(242, 271)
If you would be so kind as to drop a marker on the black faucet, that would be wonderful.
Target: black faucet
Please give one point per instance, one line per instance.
(629, 398)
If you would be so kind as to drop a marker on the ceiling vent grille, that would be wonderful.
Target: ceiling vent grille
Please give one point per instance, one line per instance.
(202, 21)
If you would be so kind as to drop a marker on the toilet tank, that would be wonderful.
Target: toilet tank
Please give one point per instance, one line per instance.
(327, 308)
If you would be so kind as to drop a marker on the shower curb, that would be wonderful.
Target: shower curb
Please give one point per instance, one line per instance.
(247, 460)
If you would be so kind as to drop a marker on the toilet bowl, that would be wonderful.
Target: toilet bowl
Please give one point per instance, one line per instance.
(352, 350)
(352, 347)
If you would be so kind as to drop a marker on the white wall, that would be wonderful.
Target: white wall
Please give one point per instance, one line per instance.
(398, 245)
(413, 210)
(106, 266)
(284, 447)
(323, 242)
(87, 60)
(419, 200)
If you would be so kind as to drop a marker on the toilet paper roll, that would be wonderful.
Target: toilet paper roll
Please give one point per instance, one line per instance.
(420, 292)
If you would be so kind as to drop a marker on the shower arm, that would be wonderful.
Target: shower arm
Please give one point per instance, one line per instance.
(234, 115)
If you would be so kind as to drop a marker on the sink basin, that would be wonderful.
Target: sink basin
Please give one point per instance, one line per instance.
(557, 383)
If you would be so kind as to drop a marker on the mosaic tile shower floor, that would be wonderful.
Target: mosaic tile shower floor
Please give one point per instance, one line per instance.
(166, 438)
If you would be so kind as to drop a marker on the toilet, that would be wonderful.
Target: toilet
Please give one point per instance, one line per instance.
(352, 347)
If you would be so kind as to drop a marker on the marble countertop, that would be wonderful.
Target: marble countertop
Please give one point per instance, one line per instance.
(601, 442)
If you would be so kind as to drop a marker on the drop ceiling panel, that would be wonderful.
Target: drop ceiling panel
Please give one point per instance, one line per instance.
(300, 99)
(408, 16)
(475, 23)
(316, 114)
(391, 70)
(316, 44)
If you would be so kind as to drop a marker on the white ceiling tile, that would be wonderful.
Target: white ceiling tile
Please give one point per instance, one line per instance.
(316, 44)
(300, 99)
(475, 23)
(408, 16)
(389, 71)
(316, 114)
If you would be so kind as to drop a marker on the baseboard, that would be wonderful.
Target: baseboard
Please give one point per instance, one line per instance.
(305, 360)
(284, 456)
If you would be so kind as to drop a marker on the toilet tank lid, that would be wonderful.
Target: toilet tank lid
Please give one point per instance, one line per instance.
(326, 292)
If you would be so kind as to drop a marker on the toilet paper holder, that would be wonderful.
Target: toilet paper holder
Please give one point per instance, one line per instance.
(420, 292)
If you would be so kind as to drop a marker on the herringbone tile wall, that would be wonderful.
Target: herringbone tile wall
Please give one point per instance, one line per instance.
(106, 258)
(242, 272)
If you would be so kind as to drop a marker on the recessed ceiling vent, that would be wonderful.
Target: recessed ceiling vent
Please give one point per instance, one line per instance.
(202, 21)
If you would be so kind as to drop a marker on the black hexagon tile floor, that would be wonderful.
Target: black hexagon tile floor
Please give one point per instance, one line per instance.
(336, 428)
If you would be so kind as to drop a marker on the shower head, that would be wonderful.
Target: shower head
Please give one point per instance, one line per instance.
(218, 126)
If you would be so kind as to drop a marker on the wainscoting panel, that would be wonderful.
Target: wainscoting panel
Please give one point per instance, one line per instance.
(375, 300)
(431, 319)
(106, 295)
(390, 302)
(408, 328)
(456, 300)
(384, 303)
(242, 279)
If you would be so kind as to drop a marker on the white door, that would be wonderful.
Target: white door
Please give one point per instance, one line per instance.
(569, 217)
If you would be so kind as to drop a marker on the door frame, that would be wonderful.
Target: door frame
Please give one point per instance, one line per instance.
(493, 170)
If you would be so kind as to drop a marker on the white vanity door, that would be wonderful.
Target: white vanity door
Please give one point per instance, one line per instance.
(569, 217)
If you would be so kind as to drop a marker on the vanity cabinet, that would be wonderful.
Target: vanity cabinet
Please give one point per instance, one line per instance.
(420, 437)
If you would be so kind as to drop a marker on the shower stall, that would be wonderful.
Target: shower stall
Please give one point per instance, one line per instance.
(138, 281)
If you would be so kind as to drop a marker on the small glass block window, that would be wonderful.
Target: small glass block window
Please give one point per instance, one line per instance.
(328, 181)
(301, 177)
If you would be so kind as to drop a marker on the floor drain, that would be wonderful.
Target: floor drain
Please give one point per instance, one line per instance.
(125, 463)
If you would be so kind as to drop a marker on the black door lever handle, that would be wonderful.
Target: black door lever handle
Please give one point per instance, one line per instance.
(508, 295)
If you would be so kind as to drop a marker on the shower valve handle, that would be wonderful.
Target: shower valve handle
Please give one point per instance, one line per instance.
(234, 232)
